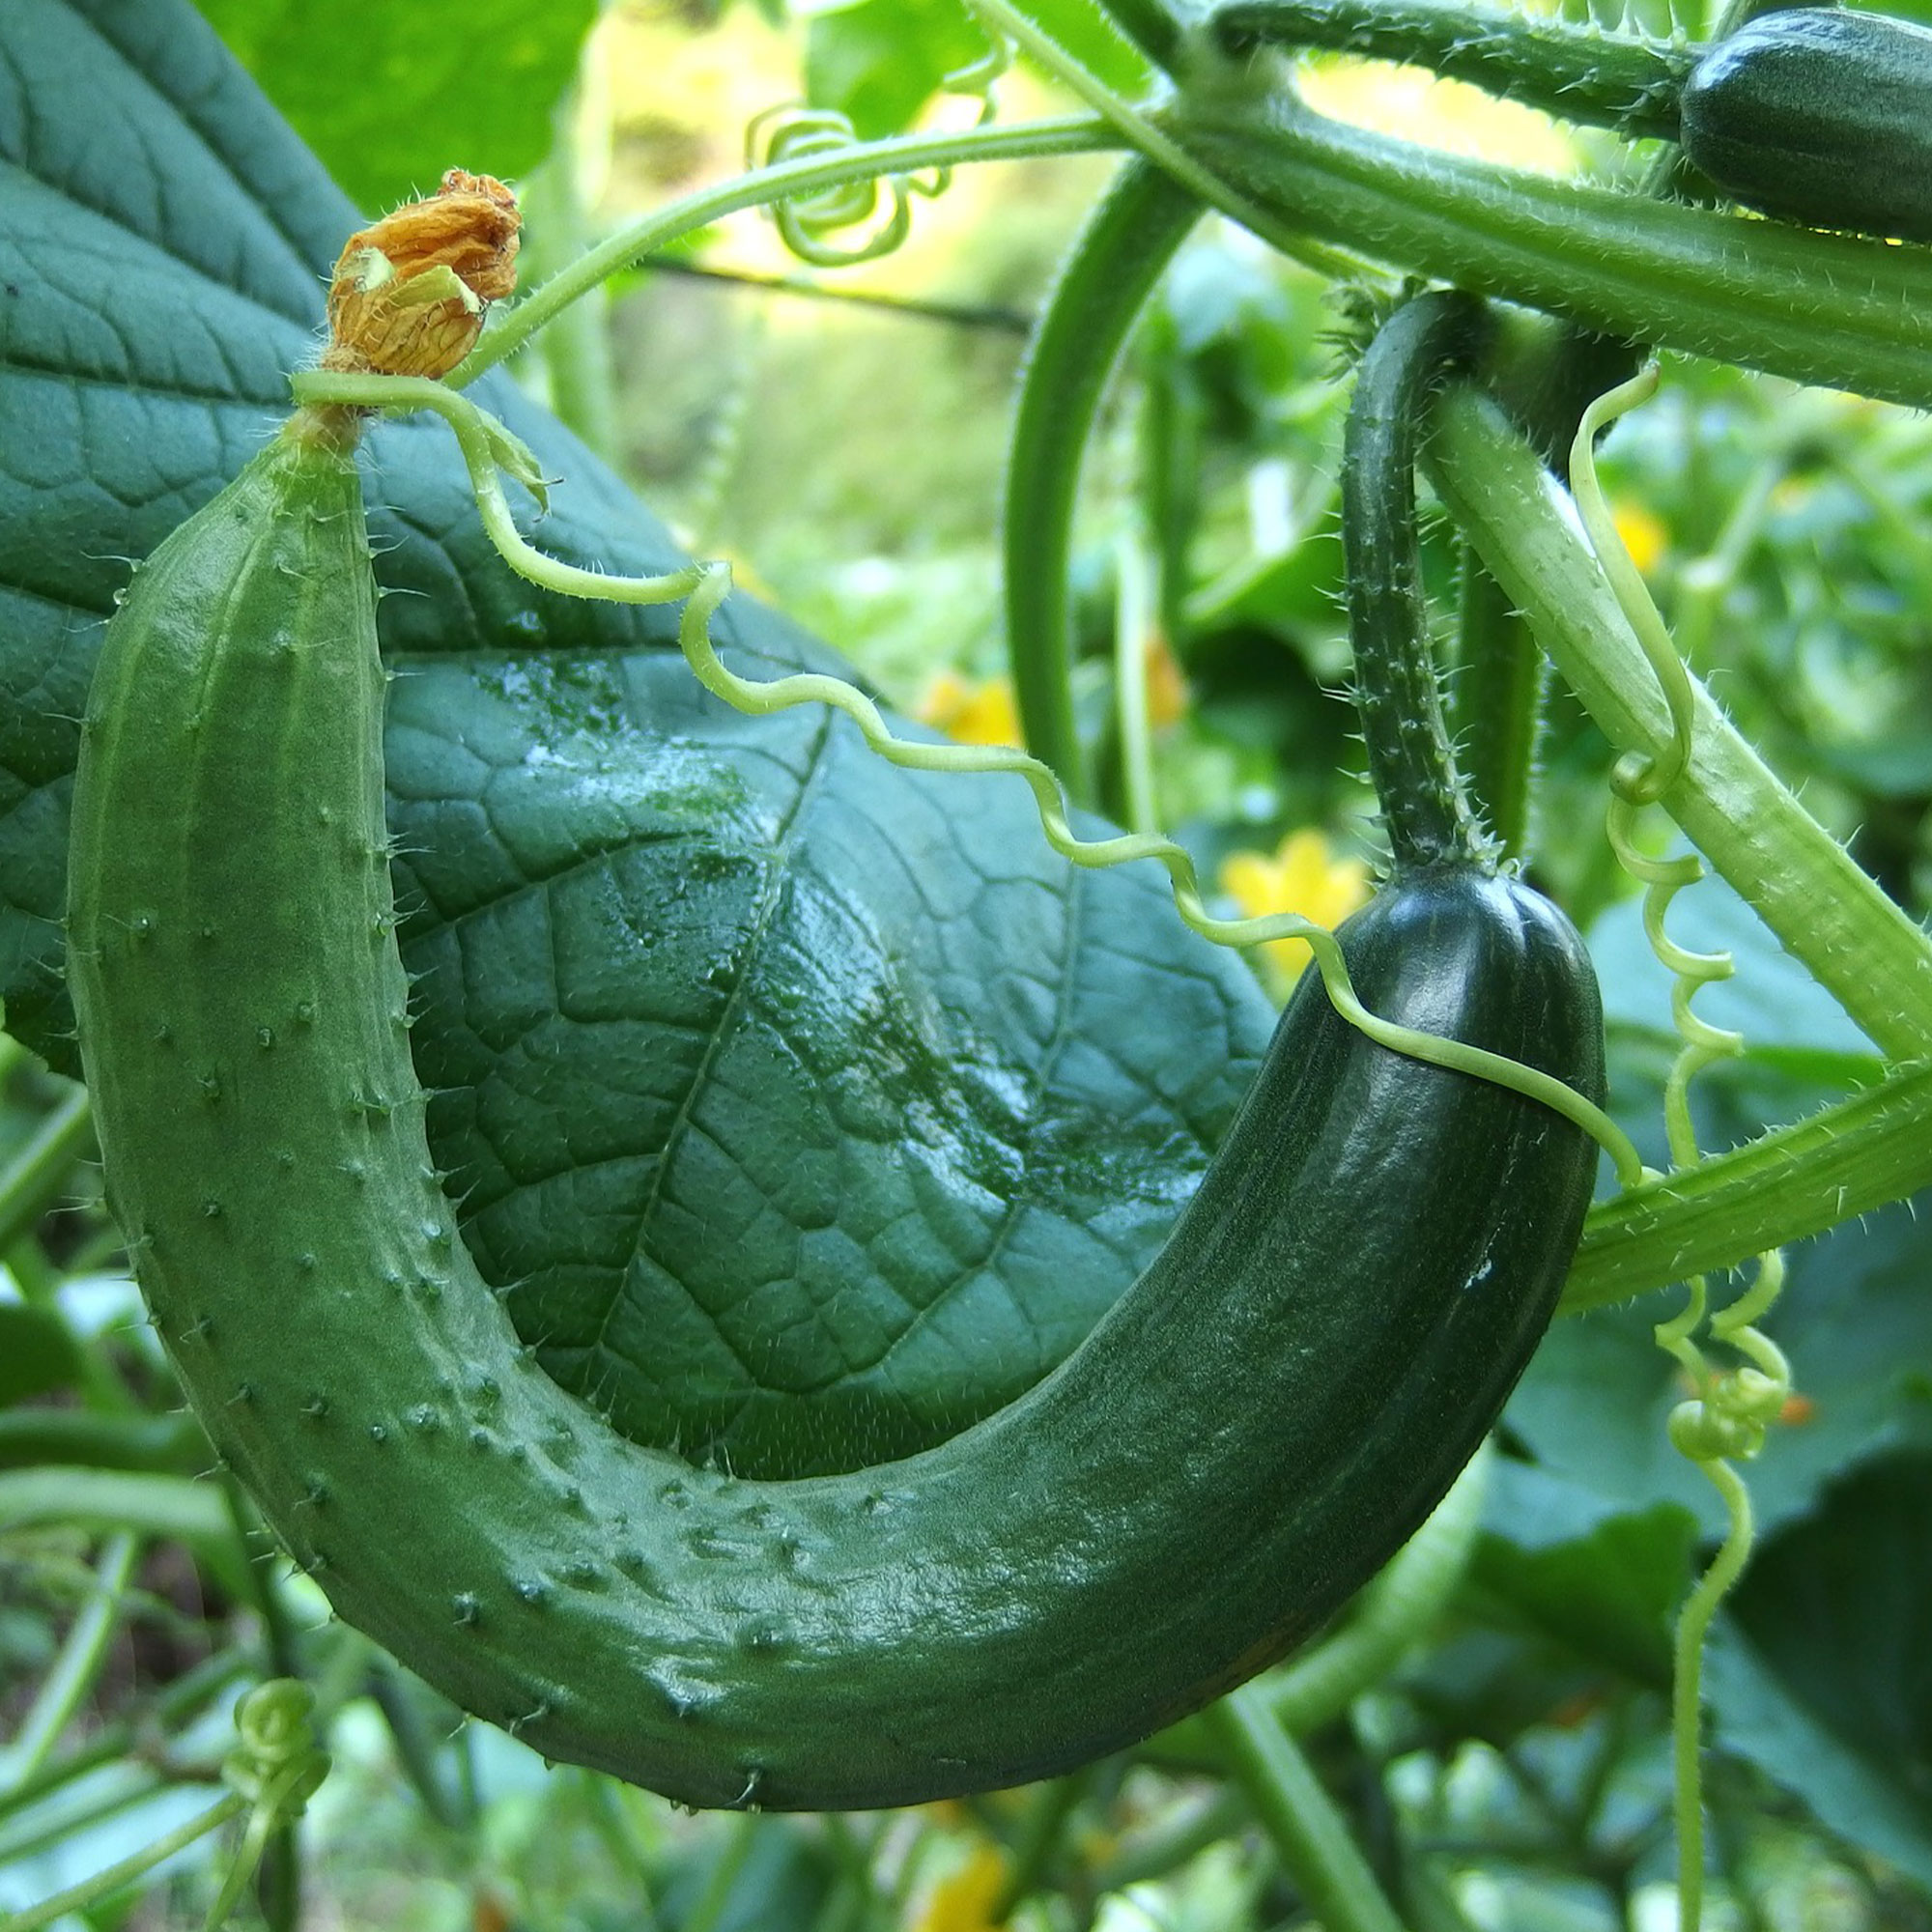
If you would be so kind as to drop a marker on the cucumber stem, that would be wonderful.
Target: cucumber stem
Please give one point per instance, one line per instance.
(1497, 704)
(1573, 71)
(1424, 808)
(1827, 310)
(1798, 1181)
(1861, 946)
(1322, 1862)
(1128, 241)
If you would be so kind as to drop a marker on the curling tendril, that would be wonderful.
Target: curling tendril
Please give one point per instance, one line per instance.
(1729, 1409)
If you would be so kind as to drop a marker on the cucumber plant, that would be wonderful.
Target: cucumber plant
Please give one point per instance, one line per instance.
(1363, 1271)
(527, 1556)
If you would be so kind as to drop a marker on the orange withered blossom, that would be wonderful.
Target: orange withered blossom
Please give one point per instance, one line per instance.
(409, 294)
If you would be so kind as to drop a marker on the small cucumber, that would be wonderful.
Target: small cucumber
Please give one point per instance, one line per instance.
(1241, 1443)
(1818, 115)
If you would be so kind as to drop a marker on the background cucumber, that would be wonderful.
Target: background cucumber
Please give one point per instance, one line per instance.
(1819, 115)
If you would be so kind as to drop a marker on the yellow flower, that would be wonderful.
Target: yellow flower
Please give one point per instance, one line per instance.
(1302, 874)
(963, 1900)
(1167, 691)
(1642, 536)
(973, 714)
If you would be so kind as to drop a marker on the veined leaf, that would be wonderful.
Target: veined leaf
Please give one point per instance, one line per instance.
(806, 1109)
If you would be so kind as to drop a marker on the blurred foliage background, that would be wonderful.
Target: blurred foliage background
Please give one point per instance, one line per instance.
(841, 436)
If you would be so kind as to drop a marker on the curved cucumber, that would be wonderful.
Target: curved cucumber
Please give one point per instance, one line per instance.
(1241, 1443)
(1820, 116)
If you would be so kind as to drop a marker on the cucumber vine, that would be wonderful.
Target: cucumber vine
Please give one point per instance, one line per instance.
(1230, 136)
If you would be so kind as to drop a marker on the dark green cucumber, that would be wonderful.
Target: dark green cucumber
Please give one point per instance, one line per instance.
(1241, 1443)
(1819, 115)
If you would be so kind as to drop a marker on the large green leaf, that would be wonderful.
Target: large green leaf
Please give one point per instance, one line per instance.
(388, 95)
(1602, 1579)
(806, 1109)
(879, 62)
(1822, 1680)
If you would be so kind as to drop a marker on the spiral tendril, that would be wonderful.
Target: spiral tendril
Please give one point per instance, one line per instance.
(1729, 1409)
(1662, 879)
(271, 1772)
(808, 223)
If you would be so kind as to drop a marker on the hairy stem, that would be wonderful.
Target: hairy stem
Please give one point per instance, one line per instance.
(791, 180)
(1398, 693)
(1216, 188)
(1687, 1689)
(1861, 946)
(1830, 309)
(1574, 71)
(1838, 1163)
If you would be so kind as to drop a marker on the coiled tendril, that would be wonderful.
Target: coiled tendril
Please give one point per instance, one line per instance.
(1729, 1409)
(271, 1774)
(795, 132)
